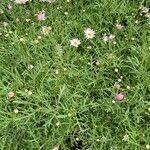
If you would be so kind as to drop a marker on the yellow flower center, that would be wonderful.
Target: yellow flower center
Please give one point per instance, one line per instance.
(89, 34)
(46, 30)
(75, 43)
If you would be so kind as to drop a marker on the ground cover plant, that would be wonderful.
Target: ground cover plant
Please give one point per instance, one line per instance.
(75, 74)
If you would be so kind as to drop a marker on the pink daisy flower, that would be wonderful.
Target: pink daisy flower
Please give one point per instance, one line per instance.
(10, 94)
(41, 16)
(119, 97)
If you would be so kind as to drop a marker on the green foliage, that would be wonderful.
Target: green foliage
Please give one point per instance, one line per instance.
(72, 101)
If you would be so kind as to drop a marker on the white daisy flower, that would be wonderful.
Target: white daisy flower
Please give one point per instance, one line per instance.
(46, 30)
(89, 33)
(75, 42)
